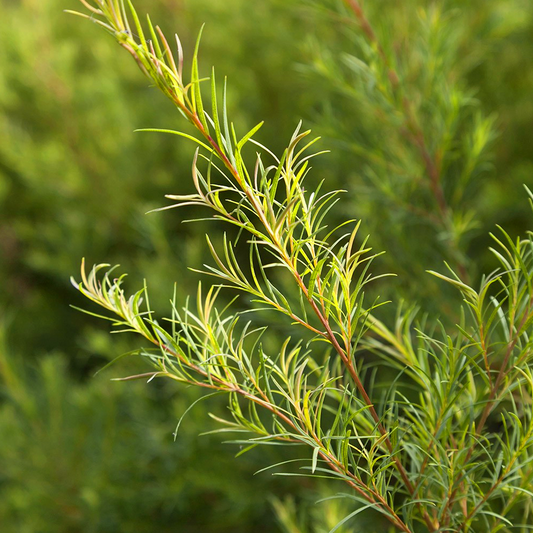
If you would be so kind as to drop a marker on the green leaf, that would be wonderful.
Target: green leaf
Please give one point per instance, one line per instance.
(197, 104)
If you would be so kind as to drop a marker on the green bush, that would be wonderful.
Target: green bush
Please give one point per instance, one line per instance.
(427, 421)
(95, 457)
(60, 89)
(73, 183)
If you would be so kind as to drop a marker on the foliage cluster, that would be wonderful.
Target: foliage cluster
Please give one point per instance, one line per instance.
(89, 457)
(59, 87)
(442, 442)
(377, 84)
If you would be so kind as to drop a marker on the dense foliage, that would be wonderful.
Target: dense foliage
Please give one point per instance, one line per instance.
(82, 182)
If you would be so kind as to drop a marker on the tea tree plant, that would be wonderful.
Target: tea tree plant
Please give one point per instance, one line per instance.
(440, 438)
(402, 73)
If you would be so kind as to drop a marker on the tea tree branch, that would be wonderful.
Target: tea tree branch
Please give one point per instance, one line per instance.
(415, 133)
(425, 455)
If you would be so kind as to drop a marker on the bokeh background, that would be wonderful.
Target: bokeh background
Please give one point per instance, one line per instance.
(81, 453)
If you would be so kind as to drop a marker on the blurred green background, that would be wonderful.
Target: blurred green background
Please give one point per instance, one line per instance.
(81, 453)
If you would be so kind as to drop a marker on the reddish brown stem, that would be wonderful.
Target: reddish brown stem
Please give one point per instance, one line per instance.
(415, 133)
(195, 120)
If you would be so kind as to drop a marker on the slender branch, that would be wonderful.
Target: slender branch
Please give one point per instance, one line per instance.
(262, 399)
(150, 60)
(503, 475)
(510, 502)
(415, 133)
(495, 393)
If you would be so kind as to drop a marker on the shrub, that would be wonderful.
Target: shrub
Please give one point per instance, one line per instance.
(425, 422)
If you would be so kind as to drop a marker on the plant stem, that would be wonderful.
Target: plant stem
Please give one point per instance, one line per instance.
(415, 133)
